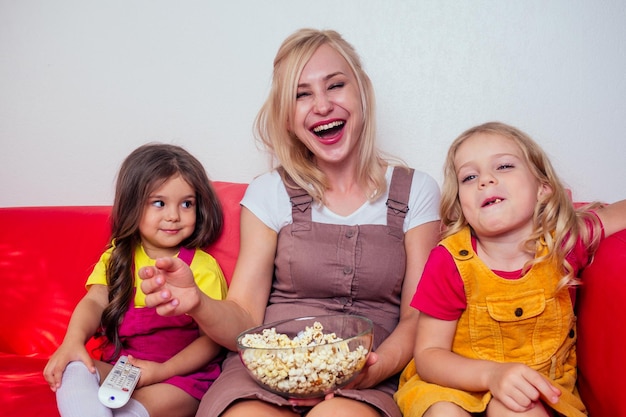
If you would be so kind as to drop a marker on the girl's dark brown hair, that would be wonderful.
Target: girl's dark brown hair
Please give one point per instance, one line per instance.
(143, 171)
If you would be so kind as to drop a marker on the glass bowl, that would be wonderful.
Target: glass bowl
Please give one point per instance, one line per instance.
(307, 357)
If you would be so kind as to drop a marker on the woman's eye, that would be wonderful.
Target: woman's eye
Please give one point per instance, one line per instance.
(336, 85)
(301, 94)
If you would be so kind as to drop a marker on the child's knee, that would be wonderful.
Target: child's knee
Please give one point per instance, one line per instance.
(78, 369)
(447, 409)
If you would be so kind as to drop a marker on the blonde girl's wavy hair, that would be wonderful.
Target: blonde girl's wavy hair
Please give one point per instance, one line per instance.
(557, 224)
(272, 126)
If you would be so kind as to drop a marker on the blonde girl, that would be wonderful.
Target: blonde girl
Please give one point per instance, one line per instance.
(497, 331)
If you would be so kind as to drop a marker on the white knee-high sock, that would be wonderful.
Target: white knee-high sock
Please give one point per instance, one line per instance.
(78, 395)
(133, 408)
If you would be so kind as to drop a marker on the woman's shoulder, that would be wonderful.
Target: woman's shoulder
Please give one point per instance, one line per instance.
(267, 182)
(424, 192)
(267, 198)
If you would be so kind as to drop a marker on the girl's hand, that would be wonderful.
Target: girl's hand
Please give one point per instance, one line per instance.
(519, 387)
(53, 371)
(169, 286)
(151, 372)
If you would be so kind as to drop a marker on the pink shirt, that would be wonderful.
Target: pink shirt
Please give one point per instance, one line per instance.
(441, 293)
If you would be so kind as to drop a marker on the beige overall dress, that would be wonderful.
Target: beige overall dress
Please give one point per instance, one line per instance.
(324, 269)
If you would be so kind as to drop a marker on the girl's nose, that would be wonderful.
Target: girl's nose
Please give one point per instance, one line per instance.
(486, 180)
(172, 214)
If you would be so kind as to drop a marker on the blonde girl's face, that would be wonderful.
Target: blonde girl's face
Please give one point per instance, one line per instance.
(497, 190)
(328, 115)
(168, 218)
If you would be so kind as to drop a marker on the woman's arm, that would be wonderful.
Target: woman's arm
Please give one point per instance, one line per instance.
(396, 351)
(170, 286)
(613, 217)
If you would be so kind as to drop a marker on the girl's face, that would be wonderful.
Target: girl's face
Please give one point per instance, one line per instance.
(168, 218)
(497, 190)
(328, 115)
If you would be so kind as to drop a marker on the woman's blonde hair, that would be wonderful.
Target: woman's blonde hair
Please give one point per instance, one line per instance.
(273, 120)
(557, 224)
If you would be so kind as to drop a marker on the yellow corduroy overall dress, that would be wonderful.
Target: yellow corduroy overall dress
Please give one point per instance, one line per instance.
(521, 320)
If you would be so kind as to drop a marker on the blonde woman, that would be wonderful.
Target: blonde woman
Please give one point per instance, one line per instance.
(332, 189)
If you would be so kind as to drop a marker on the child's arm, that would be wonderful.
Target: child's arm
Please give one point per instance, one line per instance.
(83, 325)
(613, 217)
(515, 385)
(193, 357)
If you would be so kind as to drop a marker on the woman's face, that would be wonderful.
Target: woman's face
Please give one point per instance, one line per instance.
(328, 115)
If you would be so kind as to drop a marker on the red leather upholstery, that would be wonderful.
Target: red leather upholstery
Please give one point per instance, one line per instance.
(602, 330)
(47, 252)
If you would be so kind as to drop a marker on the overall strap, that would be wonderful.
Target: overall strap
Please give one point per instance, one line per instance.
(300, 200)
(398, 200)
(186, 255)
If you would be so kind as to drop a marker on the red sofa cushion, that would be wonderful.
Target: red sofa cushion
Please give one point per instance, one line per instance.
(46, 255)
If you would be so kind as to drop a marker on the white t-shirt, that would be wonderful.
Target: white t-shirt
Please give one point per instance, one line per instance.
(267, 198)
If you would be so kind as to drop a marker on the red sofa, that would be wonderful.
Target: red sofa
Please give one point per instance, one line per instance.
(46, 254)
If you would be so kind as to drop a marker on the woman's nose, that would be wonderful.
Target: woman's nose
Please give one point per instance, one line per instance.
(322, 104)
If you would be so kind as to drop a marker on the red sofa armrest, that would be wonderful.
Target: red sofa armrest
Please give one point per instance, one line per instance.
(601, 336)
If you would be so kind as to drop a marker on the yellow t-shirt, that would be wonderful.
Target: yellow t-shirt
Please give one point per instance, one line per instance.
(206, 271)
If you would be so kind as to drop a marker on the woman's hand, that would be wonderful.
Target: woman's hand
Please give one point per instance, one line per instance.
(359, 382)
(169, 286)
(366, 378)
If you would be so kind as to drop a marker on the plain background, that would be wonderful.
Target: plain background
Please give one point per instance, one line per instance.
(84, 82)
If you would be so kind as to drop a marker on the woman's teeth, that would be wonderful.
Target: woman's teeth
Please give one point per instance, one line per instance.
(323, 128)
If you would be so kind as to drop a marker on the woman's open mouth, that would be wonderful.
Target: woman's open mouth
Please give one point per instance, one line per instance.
(329, 130)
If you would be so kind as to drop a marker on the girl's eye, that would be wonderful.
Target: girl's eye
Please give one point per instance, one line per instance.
(506, 166)
(158, 203)
(187, 204)
(467, 178)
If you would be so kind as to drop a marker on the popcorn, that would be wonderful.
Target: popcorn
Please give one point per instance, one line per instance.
(312, 363)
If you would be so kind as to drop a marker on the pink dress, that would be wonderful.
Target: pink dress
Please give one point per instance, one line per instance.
(150, 336)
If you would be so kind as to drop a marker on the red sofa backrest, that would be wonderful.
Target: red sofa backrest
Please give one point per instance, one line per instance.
(46, 254)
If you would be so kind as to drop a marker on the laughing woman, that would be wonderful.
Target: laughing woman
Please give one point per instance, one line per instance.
(331, 187)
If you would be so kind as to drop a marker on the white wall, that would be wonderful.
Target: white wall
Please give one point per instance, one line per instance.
(82, 83)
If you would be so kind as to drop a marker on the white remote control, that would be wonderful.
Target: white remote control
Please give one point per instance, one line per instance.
(118, 386)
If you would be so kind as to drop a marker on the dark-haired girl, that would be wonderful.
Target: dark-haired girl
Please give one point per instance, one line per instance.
(164, 206)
